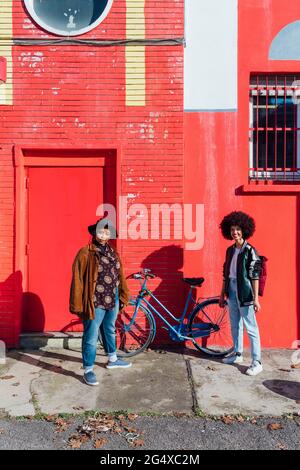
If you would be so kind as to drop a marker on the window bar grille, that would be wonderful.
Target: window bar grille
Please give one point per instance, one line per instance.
(257, 126)
(276, 126)
(275, 157)
(295, 125)
(285, 131)
(267, 122)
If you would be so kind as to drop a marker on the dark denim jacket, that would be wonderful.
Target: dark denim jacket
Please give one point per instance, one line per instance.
(248, 268)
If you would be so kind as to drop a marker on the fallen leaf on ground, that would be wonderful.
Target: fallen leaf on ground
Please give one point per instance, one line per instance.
(281, 446)
(129, 429)
(227, 419)
(76, 440)
(253, 421)
(103, 428)
(123, 424)
(92, 426)
(109, 422)
(85, 429)
(179, 414)
(138, 443)
(298, 402)
(7, 377)
(84, 439)
(75, 443)
(1, 431)
(240, 419)
(61, 425)
(99, 443)
(275, 426)
(295, 366)
(50, 418)
(118, 430)
(132, 416)
(101, 424)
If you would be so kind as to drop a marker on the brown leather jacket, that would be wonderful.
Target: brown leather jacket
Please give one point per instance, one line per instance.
(84, 277)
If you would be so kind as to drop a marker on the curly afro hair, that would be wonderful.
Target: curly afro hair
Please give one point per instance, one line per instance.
(242, 220)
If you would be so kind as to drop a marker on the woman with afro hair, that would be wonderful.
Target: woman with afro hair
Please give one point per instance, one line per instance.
(241, 271)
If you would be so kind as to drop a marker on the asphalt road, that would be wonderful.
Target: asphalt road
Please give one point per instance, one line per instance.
(152, 433)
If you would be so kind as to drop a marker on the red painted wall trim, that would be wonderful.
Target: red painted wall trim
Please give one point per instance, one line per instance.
(270, 188)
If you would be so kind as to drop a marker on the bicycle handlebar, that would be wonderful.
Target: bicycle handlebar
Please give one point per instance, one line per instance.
(143, 274)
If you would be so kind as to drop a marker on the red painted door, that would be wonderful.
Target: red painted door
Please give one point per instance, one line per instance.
(62, 202)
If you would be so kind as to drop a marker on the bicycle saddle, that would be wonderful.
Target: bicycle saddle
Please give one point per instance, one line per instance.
(194, 281)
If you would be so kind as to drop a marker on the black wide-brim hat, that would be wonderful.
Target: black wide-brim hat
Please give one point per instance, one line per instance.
(100, 224)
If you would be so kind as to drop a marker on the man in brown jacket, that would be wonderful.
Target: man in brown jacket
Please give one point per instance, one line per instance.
(98, 291)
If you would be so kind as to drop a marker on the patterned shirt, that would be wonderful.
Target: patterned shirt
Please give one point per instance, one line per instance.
(108, 277)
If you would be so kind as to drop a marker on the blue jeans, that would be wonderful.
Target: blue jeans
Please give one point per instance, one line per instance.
(104, 319)
(239, 316)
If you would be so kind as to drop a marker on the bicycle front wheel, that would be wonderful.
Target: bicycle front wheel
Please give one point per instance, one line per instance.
(209, 327)
(133, 336)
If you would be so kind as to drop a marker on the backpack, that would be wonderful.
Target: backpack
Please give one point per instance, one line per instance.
(263, 276)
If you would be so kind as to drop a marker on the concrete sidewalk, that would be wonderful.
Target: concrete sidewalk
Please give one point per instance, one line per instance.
(50, 381)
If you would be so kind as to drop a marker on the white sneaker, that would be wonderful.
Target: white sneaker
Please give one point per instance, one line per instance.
(234, 359)
(255, 368)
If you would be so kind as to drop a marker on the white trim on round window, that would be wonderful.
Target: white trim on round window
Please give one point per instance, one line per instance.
(41, 22)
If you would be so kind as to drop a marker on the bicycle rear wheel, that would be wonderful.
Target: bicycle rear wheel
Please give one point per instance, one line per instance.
(134, 338)
(209, 326)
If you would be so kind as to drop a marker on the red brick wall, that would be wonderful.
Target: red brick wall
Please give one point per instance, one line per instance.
(75, 95)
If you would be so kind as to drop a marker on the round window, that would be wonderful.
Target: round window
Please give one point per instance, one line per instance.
(68, 17)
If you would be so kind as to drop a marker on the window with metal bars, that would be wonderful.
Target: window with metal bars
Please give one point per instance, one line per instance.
(274, 133)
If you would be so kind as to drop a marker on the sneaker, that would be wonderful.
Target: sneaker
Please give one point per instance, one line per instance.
(118, 364)
(255, 368)
(90, 378)
(234, 359)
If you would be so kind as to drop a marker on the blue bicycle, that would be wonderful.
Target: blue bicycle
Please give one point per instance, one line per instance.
(206, 327)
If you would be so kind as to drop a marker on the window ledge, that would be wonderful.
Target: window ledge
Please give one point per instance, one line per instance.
(268, 188)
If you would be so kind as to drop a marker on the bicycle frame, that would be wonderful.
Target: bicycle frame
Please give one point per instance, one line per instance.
(141, 300)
